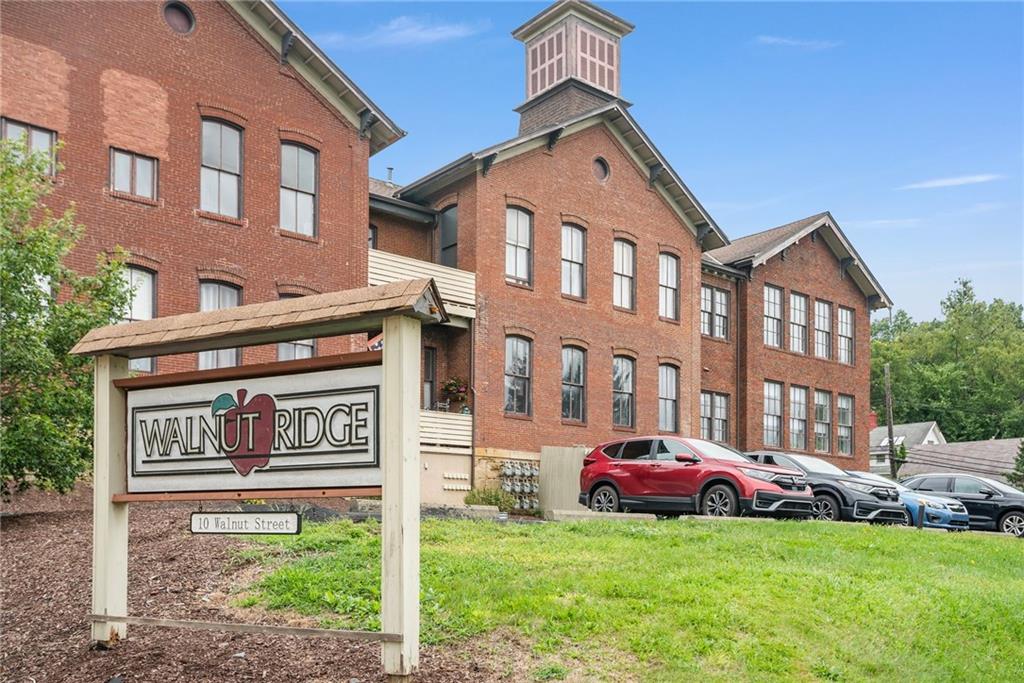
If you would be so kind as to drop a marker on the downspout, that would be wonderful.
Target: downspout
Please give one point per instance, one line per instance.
(472, 388)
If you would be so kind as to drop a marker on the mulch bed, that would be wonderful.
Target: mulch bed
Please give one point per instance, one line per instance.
(45, 594)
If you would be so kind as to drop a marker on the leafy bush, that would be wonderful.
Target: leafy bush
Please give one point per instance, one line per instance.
(505, 501)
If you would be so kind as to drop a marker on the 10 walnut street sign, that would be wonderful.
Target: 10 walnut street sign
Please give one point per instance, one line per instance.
(342, 425)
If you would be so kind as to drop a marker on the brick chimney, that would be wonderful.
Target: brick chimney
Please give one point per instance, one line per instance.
(872, 420)
(572, 62)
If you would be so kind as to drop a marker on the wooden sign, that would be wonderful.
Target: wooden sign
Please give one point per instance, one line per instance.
(293, 431)
(246, 523)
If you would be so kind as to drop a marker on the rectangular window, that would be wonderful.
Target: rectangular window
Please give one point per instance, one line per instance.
(773, 414)
(133, 173)
(798, 418)
(845, 417)
(221, 172)
(142, 307)
(448, 226)
(707, 308)
(714, 416)
(517, 375)
(772, 316)
(373, 237)
(574, 264)
(822, 421)
(298, 189)
(668, 286)
(215, 296)
(822, 329)
(518, 245)
(798, 323)
(623, 392)
(668, 398)
(846, 328)
(624, 275)
(35, 138)
(429, 377)
(295, 350)
(721, 330)
(574, 377)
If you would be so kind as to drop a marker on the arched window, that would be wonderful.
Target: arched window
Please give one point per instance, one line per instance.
(298, 189)
(220, 181)
(668, 286)
(448, 227)
(623, 391)
(215, 296)
(518, 368)
(574, 384)
(294, 350)
(518, 245)
(668, 398)
(624, 275)
(574, 261)
(142, 307)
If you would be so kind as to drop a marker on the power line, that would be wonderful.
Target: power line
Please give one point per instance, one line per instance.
(960, 456)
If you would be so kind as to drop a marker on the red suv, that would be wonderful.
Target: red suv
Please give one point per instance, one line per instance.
(671, 475)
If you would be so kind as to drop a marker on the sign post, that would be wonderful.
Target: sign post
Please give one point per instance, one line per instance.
(336, 426)
(400, 513)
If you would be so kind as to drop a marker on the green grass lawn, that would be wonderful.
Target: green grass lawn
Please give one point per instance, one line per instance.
(678, 600)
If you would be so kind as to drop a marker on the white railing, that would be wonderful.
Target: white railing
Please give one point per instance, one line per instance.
(446, 432)
(457, 287)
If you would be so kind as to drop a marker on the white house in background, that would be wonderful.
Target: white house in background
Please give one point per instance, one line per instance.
(910, 435)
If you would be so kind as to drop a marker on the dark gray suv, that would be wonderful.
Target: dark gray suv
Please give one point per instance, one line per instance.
(991, 505)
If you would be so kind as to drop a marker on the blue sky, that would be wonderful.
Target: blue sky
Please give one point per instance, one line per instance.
(903, 119)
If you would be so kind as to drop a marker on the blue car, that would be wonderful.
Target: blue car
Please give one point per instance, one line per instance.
(939, 512)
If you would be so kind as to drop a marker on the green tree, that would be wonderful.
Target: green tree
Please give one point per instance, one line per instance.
(965, 371)
(45, 308)
(1016, 477)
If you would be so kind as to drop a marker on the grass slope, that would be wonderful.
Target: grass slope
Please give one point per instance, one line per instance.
(681, 599)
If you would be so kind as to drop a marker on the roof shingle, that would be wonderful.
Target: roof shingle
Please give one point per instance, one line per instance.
(750, 246)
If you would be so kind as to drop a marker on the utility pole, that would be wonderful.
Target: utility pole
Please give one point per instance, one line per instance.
(893, 466)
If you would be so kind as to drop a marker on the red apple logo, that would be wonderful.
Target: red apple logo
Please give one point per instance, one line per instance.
(248, 427)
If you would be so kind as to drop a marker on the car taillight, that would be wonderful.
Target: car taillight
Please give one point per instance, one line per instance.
(589, 460)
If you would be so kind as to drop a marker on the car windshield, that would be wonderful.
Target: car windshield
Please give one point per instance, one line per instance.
(1001, 487)
(718, 451)
(815, 465)
(879, 479)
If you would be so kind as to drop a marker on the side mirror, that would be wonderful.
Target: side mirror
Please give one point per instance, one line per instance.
(988, 493)
(685, 457)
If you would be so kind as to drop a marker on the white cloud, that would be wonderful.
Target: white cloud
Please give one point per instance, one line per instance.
(403, 31)
(952, 182)
(884, 223)
(780, 41)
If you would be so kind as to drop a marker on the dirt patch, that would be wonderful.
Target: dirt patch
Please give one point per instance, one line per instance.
(45, 595)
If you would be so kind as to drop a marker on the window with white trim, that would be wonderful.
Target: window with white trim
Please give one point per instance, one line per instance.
(714, 312)
(668, 398)
(624, 275)
(772, 316)
(518, 368)
(773, 414)
(142, 306)
(518, 245)
(844, 410)
(574, 261)
(623, 391)
(714, 416)
(298, 189)
(822, 421)
(798, 418)
(216, 296)
(220, 177)
(574, 379)
(822, 329)
(798, 323)
(668, 286)
(845, 334)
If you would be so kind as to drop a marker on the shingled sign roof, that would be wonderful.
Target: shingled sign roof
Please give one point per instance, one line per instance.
(320, 315)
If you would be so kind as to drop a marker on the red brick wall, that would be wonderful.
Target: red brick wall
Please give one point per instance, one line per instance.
(559, 187)
(719, 369)
(397, 236)
(812, 269)
(114, 74)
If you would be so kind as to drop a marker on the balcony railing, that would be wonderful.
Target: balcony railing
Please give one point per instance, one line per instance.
(457, 287)
(446, 432)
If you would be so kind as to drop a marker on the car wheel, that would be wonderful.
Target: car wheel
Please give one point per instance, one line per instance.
(719, 501)
(1012, 523)
(605, 499)
(825, 508)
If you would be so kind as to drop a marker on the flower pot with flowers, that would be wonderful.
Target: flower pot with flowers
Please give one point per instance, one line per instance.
(455, 389)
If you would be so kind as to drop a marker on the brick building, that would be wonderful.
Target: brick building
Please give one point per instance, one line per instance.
(607, 300)
(195, 136)
(590, 294)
